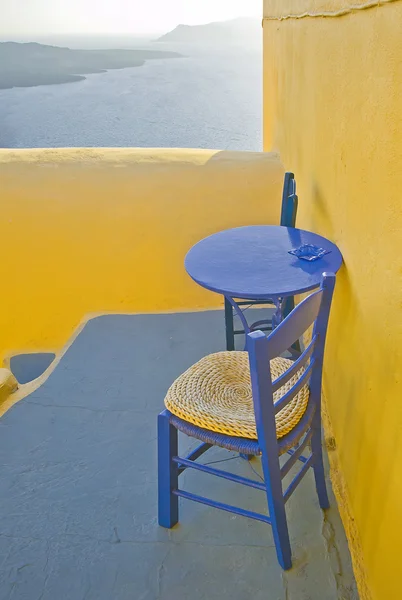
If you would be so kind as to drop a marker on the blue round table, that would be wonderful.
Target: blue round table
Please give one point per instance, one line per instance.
(254, 263)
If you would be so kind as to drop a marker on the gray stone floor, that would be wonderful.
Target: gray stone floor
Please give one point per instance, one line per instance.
(78, 487)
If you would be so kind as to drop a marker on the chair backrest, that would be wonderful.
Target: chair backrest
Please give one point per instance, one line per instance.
(289, 201)
(314, 310)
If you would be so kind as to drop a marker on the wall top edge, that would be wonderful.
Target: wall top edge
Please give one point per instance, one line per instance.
(54, 156)
(282, 10)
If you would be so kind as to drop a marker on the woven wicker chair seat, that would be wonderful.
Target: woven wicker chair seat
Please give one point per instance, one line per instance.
(215, 394)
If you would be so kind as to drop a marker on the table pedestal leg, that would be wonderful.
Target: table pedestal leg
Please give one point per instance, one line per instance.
(278, 314)
(276, 318)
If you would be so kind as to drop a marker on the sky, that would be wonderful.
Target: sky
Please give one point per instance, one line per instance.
(24, 17)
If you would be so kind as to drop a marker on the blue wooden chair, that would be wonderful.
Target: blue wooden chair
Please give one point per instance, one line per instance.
(276, 410)
(288, 219)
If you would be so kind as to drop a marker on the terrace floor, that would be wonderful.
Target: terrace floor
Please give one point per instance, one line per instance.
(78, 486)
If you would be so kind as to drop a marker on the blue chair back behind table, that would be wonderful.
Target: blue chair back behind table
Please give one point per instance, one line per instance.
(288, 219)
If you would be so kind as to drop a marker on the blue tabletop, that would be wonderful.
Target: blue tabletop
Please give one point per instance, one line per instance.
(254, 262)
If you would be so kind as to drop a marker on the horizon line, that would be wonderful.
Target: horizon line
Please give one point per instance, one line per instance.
(128, 33)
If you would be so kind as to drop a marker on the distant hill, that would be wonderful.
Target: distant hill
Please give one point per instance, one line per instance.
(32, 64)
(235, 31)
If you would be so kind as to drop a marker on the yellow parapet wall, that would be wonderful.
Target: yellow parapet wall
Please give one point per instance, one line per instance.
(107, 230)
(333, 109)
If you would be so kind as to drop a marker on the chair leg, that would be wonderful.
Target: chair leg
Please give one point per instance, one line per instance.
(318, 467)
(168, 473)
(277, 513)
(246, 457)
(229, 326)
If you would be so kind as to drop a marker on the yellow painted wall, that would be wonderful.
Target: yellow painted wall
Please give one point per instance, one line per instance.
(333, 109)
(87, 231)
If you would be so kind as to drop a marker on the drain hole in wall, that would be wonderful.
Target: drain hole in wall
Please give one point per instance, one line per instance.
(27, 367)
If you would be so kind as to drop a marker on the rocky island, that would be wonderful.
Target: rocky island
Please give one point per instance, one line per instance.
(241, 31)
(33, 64)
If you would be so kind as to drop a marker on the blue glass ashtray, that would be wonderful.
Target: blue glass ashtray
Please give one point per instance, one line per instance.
(309, 252)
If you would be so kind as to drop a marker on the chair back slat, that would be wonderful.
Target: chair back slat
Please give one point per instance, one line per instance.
(301, 382)
(295, 368)
(295, 324)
